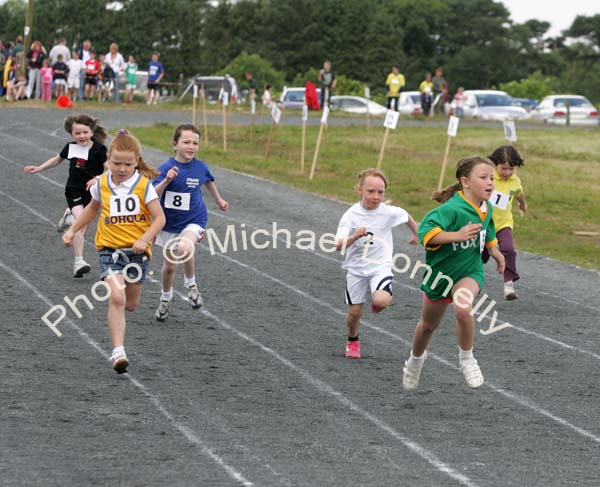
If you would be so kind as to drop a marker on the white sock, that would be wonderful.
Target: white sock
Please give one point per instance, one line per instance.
(189, 281)
(465, 355)
(166, 295)
(118, 350)
(78, 258)
(417, 360)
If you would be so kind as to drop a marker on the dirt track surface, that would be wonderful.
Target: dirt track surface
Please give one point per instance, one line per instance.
(254, 388)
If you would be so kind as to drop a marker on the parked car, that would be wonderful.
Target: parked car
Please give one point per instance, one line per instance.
(526, 103)
(294, 97)
(410, 103)
(356, 104)
(491, 105)
(553, 109)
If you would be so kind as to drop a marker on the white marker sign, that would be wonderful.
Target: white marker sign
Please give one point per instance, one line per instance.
(391, 119)
(305, 113)
(453, 126)
(225, 98)
(510, 131)
(367, 92)
(253, 107)
(325, 115)
(276, 113)
(195, 90)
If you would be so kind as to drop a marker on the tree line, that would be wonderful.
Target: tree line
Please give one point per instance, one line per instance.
(475, 41)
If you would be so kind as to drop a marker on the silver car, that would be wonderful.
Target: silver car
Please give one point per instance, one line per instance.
(553, 110)
(356, 104)
(491, 105)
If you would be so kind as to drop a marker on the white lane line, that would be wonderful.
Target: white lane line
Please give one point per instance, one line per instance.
(414, 447)
(184, 430)
(513, 397)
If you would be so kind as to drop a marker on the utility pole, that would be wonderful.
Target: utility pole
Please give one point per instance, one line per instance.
(28, 25)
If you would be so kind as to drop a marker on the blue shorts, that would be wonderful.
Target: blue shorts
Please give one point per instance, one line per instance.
(118, 260)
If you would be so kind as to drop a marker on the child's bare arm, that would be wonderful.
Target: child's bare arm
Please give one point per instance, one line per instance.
(343, 243)
(158, 222)
(522, 203)
(414, 228)
(212, 187)
(52, 162)
(467, 232)
(498, 257)
(171, 174)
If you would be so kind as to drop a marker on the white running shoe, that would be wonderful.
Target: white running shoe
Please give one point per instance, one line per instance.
(194, 297)
(80, 268)
(120, 362)
(412, 373)
(472, 373)
(509, 291)
(162, 312)
(65, 221)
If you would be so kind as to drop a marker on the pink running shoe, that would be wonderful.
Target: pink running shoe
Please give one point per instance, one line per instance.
(353, 349)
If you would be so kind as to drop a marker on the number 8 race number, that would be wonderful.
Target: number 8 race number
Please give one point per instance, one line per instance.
(124, 205)
(177, 201)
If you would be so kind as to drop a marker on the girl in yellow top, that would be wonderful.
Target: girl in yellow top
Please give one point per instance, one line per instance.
(426, 89)
(507, 187)
(130, 218)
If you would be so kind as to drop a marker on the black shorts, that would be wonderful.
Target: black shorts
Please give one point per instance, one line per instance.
(152, 86)
(76, 198)
(91, 80)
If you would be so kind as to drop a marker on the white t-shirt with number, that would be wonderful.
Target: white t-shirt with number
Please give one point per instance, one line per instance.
(378, 223)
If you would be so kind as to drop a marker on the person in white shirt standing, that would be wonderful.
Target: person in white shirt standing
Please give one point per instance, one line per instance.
(75, 66)
(60, 48)
(115, 60)
(364, 234)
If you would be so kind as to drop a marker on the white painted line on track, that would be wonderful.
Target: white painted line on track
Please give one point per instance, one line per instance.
(411, 445)
(184, 430)
(513, 397)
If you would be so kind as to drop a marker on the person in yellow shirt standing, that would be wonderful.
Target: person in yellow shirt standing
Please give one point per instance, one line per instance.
(426, 89)
(395, 83)
(507, 187)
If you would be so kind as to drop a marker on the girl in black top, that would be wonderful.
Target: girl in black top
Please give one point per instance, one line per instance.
(87, 159)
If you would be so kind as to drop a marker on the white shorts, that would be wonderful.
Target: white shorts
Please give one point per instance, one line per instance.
(356, 286)
(59, 82)
(170, 240)
(73, 83)
(130, 87)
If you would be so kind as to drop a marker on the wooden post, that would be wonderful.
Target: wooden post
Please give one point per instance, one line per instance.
(444, 163)
(316, 156)
(203, 95)
(268, 148)
(383, 143)
(224, 127)
(303, 146)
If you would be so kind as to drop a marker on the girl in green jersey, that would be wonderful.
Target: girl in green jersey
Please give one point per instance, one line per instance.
(454, 235)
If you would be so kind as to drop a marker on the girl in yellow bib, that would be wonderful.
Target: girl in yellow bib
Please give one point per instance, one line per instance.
(507, 187)
(130, 218)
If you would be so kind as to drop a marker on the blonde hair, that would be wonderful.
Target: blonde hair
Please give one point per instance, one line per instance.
(463, 170)
(363, 175)
(125, 142)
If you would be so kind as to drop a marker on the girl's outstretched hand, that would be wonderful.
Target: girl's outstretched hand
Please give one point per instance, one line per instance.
(31, 169)
(469, 231)
(172, 173)
(500, 263)
(223, 205)
(68, 237)
(90, 183)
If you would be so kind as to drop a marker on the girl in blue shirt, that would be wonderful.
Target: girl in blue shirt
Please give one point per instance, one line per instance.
(179, 188)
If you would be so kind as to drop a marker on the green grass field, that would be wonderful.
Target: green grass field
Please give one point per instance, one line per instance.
(561, 176)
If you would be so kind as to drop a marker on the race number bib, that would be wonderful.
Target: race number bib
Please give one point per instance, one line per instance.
(124, 205)
(177, 201)
(500, 200)
(482, 235)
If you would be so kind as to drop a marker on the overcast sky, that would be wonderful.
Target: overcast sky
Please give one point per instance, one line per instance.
(559, 13)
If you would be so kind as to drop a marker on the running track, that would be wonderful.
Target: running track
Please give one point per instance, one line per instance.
(254, 389)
